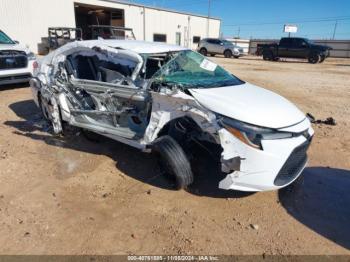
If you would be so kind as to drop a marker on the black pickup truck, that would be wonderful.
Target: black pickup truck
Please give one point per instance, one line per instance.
(294, 47)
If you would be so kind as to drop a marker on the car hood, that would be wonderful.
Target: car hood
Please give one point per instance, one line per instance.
(17, 47)
(250, 104)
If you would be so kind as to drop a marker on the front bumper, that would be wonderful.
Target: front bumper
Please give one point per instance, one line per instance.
(14, 76)
(279, 163)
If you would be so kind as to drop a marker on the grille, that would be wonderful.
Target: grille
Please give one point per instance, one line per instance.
(12, 59)
(293, 165)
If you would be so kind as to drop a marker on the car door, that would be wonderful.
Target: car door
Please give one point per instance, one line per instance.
(103, 95)
(210, 45)
(298, 48)
(218, 46)
(284, 47)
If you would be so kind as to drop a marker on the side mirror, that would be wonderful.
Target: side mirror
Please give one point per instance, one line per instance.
(221, 43)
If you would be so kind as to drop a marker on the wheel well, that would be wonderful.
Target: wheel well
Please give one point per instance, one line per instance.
(185, 130)
(173, 126)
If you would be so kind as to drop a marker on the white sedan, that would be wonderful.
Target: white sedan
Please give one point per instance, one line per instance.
(159, 98)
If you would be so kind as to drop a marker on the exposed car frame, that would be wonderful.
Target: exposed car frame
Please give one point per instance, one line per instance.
(141, 94)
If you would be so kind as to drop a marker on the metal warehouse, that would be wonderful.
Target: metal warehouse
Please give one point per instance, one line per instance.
(27, 21)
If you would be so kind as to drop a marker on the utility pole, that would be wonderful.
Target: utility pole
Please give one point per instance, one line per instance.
(209, 3)
(335, 28)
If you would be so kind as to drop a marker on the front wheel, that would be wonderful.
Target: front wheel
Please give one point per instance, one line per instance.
(203, 51)
(323, 57)
(228, 54)
(173, 161)
(314, 58)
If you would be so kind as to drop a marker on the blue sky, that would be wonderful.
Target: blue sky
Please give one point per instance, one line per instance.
(265, 18)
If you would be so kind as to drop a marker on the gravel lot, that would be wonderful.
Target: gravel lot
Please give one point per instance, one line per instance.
(74, 196)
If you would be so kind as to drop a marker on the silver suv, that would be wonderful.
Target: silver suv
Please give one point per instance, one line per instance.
(213, 46)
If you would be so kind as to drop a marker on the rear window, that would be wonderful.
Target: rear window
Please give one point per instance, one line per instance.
(286, 42)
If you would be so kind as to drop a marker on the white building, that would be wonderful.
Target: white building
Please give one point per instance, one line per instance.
(27, 21)
(242, 43)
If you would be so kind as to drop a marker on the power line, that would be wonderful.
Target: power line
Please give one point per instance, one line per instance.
(292, 21)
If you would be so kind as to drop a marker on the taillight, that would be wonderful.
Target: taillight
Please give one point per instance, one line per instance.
(35, 65)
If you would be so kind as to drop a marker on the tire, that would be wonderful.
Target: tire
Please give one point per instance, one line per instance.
(228, 53)
(173, 161)
(323, 57)
(203, 51)
(54, 119)
(43, 108)
(268, 56)
(314, 58)
(236, 56)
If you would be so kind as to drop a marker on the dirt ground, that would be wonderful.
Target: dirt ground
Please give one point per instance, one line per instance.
(74, 196)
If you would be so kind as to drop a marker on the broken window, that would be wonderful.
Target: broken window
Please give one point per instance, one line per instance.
(191, 70)
(100, 66)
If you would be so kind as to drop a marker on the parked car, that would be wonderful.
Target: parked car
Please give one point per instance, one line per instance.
(16, 61)
(163, 98)
(213, 46)
(294, 47)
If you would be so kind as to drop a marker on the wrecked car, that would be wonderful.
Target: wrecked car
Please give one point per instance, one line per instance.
(158, 97)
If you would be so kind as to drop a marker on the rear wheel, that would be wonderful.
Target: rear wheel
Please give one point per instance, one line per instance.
(268, 56)
(314, 58)
(43, 107)
(228, 53)
(51, 112)
(203, 51)
(173, 161)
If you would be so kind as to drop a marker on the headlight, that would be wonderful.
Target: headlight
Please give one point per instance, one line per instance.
(31, 56)
(250, 134)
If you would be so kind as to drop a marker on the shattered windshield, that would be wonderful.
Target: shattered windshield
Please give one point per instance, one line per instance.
(189, 69)
(4, 39)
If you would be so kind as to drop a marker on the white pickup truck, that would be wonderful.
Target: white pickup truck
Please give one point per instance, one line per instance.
(16, 61)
